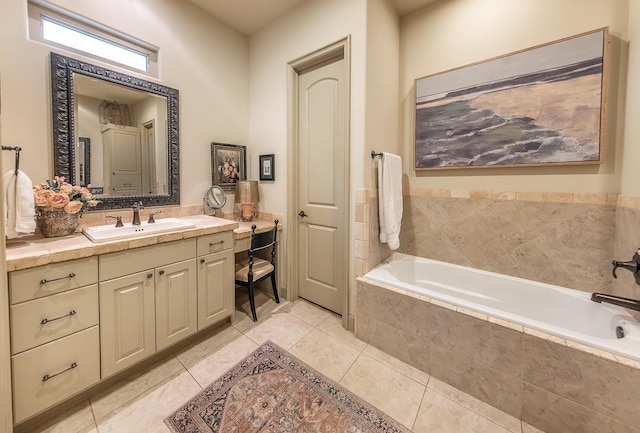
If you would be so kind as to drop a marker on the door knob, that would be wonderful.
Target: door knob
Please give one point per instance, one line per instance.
(302, 214)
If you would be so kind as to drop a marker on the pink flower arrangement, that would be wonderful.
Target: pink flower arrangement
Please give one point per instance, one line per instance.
(58, 194)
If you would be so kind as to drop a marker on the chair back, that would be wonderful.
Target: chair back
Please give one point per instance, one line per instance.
(260, 241)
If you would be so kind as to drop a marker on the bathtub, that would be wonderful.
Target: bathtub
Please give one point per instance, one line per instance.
(559, 311)
(544, 354)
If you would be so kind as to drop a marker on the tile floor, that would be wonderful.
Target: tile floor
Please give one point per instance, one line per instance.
(418, 401)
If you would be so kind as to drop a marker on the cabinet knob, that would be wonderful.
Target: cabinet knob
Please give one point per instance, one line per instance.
(161, 272)
(202, 260)
(149, 275)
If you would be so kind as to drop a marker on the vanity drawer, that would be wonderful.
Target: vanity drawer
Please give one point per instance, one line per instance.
(33, 394)
(121, 263)
(215, 242)
(27, 329)
(46, 280)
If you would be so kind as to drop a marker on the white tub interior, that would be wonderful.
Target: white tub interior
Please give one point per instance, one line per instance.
(559, 311)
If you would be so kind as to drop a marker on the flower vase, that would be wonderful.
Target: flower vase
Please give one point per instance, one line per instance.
(54, 222)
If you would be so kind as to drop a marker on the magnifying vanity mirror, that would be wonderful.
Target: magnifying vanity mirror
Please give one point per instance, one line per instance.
(214, 198)
(131, 126)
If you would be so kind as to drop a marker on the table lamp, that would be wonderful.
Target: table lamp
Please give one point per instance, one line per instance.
(247, 198)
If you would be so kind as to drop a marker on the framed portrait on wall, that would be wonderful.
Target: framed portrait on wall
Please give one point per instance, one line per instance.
(228, 164)
(267, 167)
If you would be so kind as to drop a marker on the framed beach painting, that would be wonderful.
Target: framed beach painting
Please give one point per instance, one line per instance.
(540, 106)
(228, 165)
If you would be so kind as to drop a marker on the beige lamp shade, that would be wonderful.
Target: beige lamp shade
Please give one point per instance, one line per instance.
(247, 191)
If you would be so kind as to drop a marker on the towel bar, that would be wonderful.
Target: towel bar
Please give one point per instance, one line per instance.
(17, 149)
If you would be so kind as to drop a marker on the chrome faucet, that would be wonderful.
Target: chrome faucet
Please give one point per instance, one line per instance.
(137, 205)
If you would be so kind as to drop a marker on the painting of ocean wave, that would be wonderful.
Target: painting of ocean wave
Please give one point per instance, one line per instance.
(536, 107)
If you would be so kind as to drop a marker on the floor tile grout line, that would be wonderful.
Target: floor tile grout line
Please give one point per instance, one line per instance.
(424, 394)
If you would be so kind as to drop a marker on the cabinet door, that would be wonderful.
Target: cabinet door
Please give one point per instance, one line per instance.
(216, 297)
(127, 321)
(176, 302)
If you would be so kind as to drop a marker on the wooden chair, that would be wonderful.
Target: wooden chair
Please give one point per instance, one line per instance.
(252, 269)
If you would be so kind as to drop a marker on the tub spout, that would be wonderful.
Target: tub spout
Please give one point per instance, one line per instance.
(633, 304)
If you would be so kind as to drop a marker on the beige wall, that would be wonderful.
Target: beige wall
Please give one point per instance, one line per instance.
(454, 33)
(373, 29)
(203, 58)
(631, 153)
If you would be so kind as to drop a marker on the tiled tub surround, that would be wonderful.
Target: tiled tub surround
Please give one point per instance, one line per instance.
(563, 239)
(551, 383)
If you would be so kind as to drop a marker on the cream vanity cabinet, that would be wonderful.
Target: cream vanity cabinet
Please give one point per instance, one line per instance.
(148, 301)
(216, 276)
(54, 333)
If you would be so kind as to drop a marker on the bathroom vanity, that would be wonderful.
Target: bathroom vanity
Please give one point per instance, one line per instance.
(81, 312)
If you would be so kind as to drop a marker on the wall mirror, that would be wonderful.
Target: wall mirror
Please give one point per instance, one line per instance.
(132, 126)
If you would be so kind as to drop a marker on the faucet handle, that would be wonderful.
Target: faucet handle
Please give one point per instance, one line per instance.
(137, 205)
(118, 219)
(151, 215)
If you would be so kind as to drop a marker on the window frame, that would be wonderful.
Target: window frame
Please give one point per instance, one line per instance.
(39, 10)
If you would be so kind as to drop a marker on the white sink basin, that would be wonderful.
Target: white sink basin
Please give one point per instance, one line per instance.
(110, 232)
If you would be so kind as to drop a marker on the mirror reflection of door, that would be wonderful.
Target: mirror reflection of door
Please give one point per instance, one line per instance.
(83, 161)
(149, 183)
(141, 167)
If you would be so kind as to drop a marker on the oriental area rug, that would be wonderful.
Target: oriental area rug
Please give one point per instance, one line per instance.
(271, 391)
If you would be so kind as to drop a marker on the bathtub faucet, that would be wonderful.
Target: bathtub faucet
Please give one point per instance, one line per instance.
(633, 304)
(633, 266)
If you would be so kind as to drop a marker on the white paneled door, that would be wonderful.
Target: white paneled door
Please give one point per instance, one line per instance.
(323, 183)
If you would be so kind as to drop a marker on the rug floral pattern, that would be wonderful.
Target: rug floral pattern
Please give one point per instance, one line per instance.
(271, 391)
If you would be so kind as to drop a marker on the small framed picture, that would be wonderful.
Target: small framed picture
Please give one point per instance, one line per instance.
(267, 167)
(228, 165)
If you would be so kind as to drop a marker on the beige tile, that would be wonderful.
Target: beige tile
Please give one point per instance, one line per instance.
(147, 414)
(131, 387)
(333, 326)
(206, 347)
(388, 390)
(78, 419)
(479, 407)
(283, 329)
(307, 312)
(210, 368)
(326, 354)
(438, 414)
(479, 340)
(598, 384)
(402, 367)
(487, 384)
(552, 414)
(526, 428)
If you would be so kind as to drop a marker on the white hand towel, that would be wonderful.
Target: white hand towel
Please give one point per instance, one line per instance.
(390, 198)
(18, 204)
(25, 208)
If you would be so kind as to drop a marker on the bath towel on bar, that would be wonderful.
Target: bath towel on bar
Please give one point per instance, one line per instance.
(18, 204)
(390, 198)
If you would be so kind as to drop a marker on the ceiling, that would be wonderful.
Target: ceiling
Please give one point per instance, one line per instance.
(234, 12)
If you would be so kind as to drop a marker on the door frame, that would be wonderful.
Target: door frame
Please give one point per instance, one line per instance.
(315, 59)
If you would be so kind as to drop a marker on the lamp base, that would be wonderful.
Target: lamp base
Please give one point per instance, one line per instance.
(248, 212)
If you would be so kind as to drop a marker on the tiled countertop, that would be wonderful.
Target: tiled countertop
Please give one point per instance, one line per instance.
(27, 252)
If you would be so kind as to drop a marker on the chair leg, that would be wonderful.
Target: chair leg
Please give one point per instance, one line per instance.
(273, 284)
(252, 302)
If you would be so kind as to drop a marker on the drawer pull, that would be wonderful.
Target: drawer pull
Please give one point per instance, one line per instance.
(45, 281)
(45, 321)
(211, 244)
(51, 376)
